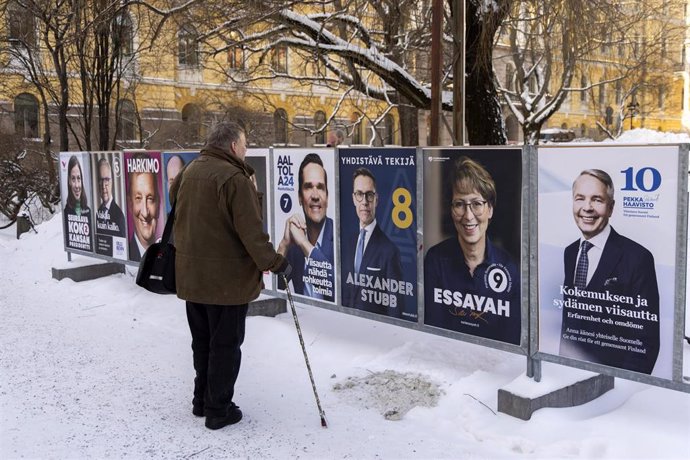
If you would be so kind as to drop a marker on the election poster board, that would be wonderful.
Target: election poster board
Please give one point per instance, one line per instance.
(76, 196)
(472, 241)
(109, 201)
(145, 207)
(609, 301)
(378, 231)
(305, 224)
(259, 160)
(173, 162)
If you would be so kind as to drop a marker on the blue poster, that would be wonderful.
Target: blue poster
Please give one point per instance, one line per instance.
(378, 231)
(472, 241)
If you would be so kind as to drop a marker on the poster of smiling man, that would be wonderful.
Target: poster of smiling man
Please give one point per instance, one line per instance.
(472, 241)
(304, 226)
(378, 244)
(607, 250)
(145, 212)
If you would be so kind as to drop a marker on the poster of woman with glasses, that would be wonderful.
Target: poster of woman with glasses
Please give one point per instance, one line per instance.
(472, 216)
(378, 227)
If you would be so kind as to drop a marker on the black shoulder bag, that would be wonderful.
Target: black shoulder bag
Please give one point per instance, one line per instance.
(157, 265)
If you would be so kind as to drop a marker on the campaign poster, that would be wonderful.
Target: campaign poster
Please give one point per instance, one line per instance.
(472, 241)
(109, 198)
(304, 182)
(173, 162)
(378, 231)
(607, 249)
(75, 193)
(258, 159)
(145, 207)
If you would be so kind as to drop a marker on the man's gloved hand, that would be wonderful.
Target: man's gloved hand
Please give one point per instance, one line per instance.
(285, 269)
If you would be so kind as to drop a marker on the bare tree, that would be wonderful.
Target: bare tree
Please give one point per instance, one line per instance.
(557, 48)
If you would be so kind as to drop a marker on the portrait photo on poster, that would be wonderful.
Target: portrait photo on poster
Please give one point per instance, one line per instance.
(257, 158)
(173, 163)
(145, 211)
(109, 197)
(77, 207)
(305, 219)
(472, 241)
(606, 267)
(378, 231)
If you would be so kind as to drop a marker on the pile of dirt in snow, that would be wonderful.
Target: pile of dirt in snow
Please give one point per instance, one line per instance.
(392, 393)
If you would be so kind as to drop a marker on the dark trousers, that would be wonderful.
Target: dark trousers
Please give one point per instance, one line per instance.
(217, 334)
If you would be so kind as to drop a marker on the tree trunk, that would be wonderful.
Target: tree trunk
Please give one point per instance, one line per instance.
(409, 123)
(483, 115)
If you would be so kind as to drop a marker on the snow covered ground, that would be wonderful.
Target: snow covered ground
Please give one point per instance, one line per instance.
(102, 369)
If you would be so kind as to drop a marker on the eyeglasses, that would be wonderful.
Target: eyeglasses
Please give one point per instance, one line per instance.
(477, 206)
(359, 196)
(104, 180)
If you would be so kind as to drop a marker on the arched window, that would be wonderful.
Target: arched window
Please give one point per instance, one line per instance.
(26, 115)
(280, 126)
(127, 124)
(191, 119)
(319, 122)
(123, 35)
(188, 46)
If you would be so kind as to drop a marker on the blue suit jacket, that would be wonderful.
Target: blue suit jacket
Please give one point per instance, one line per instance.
(323, 254)
(381, 260)
(626, 269)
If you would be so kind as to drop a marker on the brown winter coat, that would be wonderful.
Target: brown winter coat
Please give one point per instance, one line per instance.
(222, 248)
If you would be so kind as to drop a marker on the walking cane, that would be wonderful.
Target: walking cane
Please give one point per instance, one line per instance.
(304, 351)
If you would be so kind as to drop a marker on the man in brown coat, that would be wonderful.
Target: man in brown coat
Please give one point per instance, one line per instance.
(222, 251)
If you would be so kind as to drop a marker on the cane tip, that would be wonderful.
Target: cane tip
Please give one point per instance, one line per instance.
(323, 422)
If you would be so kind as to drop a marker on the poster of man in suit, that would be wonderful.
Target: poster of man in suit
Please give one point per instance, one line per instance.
(145, 211)
(607, 235)
(109, 198)
(304, 221)
(378, 231)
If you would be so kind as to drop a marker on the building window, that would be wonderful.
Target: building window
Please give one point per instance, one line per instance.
(619, 92)
(602, 94)
(236, 58)
(583, 85)
(188, 46)
(279, 59)
(510, 77)
(127, 121)
(26, 116)
(191, 119)
(320, 123)
(389, 130)
(660, 98)
(356, 128)
(123, 35)
(280, 126)
(22, 26)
